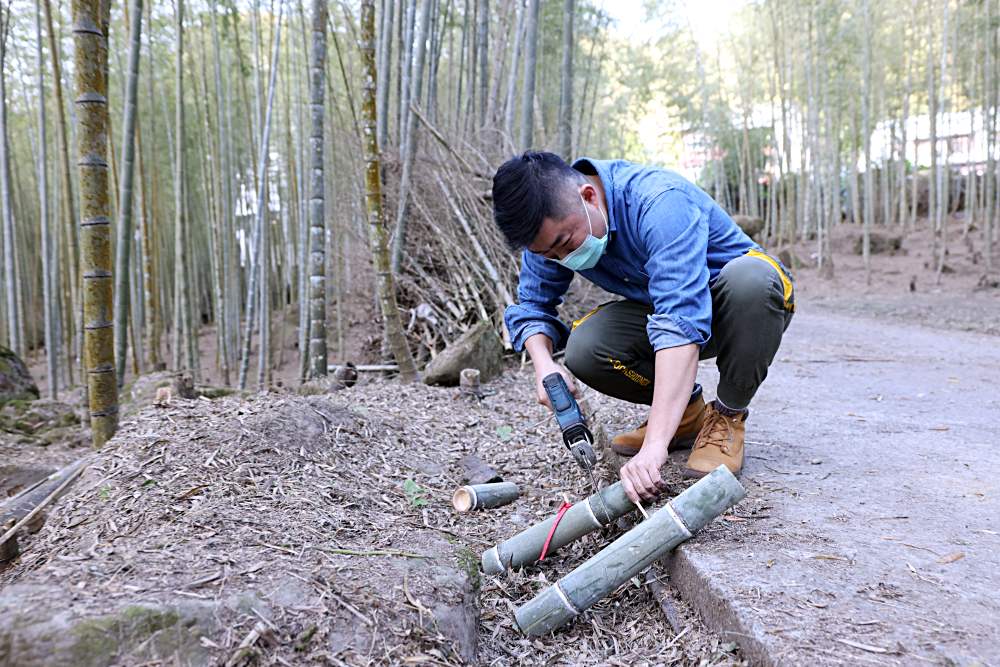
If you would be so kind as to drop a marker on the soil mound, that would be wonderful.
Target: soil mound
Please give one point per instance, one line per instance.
(221, 531)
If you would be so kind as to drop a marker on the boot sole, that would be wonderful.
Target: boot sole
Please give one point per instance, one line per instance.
(675, 444)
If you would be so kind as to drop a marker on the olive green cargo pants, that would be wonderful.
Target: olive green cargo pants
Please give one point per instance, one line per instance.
(752, 305)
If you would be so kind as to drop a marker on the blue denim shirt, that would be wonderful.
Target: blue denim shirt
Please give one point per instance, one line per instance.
(668, 242)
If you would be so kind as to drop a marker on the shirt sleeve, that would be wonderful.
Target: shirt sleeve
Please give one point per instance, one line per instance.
(540, 290)
(675, 233)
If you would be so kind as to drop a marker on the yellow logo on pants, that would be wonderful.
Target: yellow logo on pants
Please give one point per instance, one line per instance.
(628, 372)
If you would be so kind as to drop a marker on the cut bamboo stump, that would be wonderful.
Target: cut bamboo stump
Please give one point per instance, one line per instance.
(469, 382)
(484, 496)
(630, 554)
(584, 517)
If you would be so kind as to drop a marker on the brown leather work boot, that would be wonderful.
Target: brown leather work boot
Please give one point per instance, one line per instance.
(628, 444)
(720, 441)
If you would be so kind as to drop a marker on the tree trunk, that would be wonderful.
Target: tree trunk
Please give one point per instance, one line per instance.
(901, 170)
(989, 120)
(9, 239)
(317, 197)
(124, 245)
(530, 64)
(373, 202)
(90, 47)
(48, 305)
(510, 107)
(866, 137)
(384, 61)
(406, 71)
(482, 48)
(179, 338)
(410, 141)
(566, 90)
(257, 256)
(68, 228)
(223, 269)
(943, 172)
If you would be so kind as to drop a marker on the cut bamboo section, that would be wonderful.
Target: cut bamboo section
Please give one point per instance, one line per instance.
(584, 517)
(484, 496)
(631, 553)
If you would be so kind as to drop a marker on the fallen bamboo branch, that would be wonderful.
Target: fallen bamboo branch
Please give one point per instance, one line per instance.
(375, 552)
(662, 597)
(444, 142)
(245, 650)
(22, 503)
(369, 368)
(70, 478)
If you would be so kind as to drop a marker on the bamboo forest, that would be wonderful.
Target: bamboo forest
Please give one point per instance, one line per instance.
(273, 289)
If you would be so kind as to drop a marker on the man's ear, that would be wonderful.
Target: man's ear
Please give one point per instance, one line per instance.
(588, 192)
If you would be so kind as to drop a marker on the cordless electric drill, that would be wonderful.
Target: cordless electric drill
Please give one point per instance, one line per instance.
(572, 422)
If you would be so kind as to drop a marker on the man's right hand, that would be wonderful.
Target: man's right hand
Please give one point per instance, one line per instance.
(542, 372)
(539, 346)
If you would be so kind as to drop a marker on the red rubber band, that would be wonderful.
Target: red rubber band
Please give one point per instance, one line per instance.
(552, 530)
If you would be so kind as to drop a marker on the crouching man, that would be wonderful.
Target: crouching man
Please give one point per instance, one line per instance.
(694, 286)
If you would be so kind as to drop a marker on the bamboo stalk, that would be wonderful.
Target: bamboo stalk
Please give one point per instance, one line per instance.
(124, 243)
(631, 553)
(586, 516)
(90, 45)
(317, 198)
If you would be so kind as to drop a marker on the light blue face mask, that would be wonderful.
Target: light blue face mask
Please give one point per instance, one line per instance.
(590, 251)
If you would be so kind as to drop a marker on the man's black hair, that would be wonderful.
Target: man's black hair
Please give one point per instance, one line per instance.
(526, 190)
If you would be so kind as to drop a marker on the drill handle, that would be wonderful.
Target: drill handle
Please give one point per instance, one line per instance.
(572, 421)
(558, 392)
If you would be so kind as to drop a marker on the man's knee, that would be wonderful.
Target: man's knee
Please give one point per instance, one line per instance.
(581, 351)
(748, 280)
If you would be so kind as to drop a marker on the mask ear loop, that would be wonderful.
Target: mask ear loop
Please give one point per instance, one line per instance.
(607, 225)
(587, 211)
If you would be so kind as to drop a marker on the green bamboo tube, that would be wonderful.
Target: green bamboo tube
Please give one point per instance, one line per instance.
(484, 496)
(631, 553)
(584, 517)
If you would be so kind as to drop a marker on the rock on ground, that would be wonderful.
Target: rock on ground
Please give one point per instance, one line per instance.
(751, 226)
(480, 348)
(879, 243)
(15, 380)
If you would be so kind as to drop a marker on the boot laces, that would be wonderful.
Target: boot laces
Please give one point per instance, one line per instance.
(717, 431)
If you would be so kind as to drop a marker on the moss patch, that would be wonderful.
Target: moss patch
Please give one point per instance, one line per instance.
(98, 640)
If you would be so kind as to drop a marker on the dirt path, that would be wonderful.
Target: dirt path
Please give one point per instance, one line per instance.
(872, 473)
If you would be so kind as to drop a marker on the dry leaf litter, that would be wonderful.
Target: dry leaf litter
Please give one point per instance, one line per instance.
(319, 530)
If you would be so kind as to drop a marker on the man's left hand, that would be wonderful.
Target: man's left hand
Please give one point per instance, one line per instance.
(641, 475)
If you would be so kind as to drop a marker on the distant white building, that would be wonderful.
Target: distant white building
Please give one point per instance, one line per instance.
(961, 139)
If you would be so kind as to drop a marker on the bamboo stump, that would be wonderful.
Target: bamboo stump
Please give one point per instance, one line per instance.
(484, 496)
(469, 384)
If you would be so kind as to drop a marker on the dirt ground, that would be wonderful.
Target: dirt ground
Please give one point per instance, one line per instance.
(211, 502)
(224, 502)
(904, 286)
